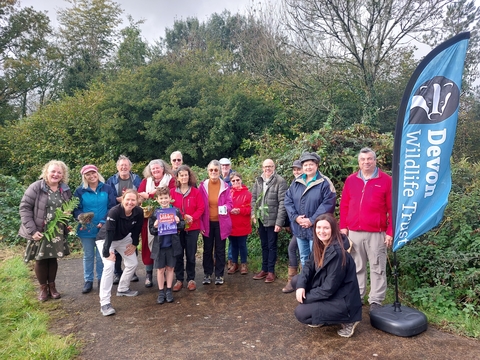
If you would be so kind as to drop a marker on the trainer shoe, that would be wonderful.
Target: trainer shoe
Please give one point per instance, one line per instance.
(169, 295)
(219, 280)
(116, 279)
(107, 310)
(374, 306)
(134, 278)
(161, 297)
(315, 325)
(347, 330)
(128, 292)
(206, 280)
(87, 287)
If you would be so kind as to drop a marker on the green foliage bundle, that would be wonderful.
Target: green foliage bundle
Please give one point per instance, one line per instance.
(11, 192)
(440, 271)
(62, 216)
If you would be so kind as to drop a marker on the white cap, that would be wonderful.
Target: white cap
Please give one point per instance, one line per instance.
(224, 161)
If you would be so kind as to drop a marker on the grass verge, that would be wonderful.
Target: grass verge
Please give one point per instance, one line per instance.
(24, 329)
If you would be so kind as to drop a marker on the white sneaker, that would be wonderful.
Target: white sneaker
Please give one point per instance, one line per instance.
(107, 310)
(128, 292)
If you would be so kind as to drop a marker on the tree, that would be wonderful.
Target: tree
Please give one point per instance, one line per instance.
(356, 39)
(461, 16)
(87, 36)
(25, 48)
(132, 51)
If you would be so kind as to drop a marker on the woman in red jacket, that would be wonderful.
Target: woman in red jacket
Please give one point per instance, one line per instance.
(187, 198)
(241, 226)
(157, 173)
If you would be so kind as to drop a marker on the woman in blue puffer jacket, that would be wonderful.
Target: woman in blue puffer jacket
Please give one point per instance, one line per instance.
(95, 197)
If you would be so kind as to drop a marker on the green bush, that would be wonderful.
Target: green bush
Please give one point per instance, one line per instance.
(440, 271)
(11, 192)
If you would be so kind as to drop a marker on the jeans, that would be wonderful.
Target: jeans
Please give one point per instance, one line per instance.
(292, 253)
(304, 248)
(208, 243)
(239, 245)
(230, 257)
(188, 240)
(269, 242)
(131, 263)
(89, 254)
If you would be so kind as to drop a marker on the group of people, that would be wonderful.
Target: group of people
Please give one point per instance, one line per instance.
(333, 276)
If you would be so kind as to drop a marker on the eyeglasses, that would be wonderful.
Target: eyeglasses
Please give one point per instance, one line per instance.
(268, 166)
(177, 160)
(235, 180)
(212, 170)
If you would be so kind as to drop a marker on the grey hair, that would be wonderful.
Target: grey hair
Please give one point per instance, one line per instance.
(166, 168)
(367, 150)
(123, 157)
(215, 163)
(176, 153)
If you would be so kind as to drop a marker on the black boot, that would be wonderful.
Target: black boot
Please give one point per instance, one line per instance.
(169, 295)
(161, 297)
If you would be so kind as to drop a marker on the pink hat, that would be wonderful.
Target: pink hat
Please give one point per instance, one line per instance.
(88, 168)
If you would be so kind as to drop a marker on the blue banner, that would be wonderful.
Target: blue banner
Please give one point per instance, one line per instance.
(424, 137)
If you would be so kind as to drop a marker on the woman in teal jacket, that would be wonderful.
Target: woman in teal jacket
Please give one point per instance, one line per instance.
(95, 197)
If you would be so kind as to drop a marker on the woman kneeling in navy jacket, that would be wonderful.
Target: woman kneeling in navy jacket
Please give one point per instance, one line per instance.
(327, 287)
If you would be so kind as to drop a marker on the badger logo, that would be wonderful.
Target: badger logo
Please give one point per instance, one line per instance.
(434, 101)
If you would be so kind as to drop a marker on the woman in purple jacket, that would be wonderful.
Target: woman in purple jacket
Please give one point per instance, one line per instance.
(215, 222)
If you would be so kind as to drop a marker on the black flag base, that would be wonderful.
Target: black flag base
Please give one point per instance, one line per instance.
(399, 320)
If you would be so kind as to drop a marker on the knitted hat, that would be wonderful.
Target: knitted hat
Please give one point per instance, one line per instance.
(88, 168)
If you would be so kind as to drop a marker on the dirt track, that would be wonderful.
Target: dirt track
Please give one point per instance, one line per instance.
(242, 319)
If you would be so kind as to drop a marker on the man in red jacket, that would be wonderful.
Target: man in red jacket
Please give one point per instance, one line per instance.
(365, 216)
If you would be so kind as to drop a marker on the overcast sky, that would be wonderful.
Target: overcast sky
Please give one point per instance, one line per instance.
(158, 14)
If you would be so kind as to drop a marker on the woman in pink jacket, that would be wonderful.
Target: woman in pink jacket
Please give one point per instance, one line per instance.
(241, 225)
(216, 224)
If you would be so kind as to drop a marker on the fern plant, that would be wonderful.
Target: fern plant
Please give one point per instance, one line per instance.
(61, 217)
(260, 210)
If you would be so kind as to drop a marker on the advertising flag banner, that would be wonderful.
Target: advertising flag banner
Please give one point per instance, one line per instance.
(424, 138)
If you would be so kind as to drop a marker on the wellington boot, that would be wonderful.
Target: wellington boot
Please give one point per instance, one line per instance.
(292, 271)
(53, 291)
(43, 294)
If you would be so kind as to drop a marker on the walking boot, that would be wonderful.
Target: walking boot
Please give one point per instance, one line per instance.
(233, 269)
(292, 271)
(43, 294)
(229, 264)
(148, 280)
(243, 269)
(161, 296)
(53, 292)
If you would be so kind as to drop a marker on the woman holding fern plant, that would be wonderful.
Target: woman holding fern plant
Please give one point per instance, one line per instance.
(37, 209)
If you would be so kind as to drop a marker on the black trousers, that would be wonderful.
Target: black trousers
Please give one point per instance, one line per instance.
(188, 240)
(209, 243)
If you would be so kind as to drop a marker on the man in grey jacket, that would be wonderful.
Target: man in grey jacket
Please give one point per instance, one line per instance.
(268, 194)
